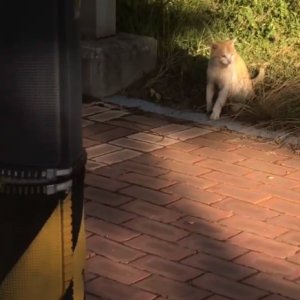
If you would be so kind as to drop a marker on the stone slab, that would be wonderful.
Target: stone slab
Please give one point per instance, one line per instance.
(112, 64)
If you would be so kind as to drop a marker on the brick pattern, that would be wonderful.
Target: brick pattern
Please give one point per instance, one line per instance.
(280, 205)
(196, 209)
(172, 289)
(219, 266)
(107, 115)
(197, 194)
(169, 129)
(136, 145)
(189, 133)
(229, 157)
(156, 229)
(102, 149)
(117, 156)
(155, 139)
(276, 285)
(266, 167)
(160, 248)
(217, 297)
(176, 211)
(107, 213)
(247, 195)
(271, 179)
(105, 197)
(268, 264)
(168, 153)
(167, 268)
(244, 208)
(216, 248)
(203, 141)
(135, 167)
(229, 288)
(253, 226)
(112, 250)
(195, 182)
(227, 168)
(146, 181)
(110, 135)
(264, 245)
(104, 182)
(109, 230)
(113, 290)
(232, 180)
(291, 237)
(270, 156)
(206, 228)
(149, 195)
(116, 271)
(152, 211)
(92, 166)
(93, 109)
(95, 128)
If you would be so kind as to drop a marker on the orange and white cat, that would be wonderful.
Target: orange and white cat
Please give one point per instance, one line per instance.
(228, 75)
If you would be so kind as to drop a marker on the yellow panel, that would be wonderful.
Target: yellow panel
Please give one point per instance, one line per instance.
(38, 273)
(79, 262)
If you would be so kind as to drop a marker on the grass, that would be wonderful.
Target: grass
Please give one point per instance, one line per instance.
(266, 32)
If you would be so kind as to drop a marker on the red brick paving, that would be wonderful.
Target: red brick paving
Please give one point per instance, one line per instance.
(292, 237)
(156, 197)
(275, 284)
(153, 138)
(189, 133)
(203, 227)
(172, 289)
(105, 197)
(110, 135)
(254, 226)
(133, 166)
(100, 150)
(204, 214)
(165, 249)
(243, 208)
(200, 210)
(229, 288)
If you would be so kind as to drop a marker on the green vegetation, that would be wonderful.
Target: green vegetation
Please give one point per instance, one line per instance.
(266, 32)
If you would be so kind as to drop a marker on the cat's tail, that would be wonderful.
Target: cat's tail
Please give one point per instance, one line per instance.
(261, 75)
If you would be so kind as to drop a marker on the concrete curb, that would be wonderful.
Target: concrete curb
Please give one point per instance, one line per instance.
(202, 119)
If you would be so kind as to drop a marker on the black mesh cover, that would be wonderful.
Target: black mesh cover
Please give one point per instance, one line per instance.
(40, 84)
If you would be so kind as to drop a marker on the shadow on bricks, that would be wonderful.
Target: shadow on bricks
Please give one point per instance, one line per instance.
(177, 211)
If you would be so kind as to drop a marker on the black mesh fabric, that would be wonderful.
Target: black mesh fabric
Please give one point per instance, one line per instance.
(40, 84)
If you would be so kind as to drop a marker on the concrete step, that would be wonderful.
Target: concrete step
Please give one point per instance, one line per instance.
(112, 64)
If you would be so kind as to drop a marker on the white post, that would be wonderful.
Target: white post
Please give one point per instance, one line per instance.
(98, 18)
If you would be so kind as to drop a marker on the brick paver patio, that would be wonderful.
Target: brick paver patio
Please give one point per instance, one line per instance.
(180, 211)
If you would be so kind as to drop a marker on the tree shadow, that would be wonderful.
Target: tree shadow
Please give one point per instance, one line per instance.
(180, 77)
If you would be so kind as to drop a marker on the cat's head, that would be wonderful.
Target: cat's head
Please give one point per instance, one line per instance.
(224, 52)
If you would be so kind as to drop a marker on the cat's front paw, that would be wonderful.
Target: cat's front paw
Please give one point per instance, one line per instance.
(214, 116)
